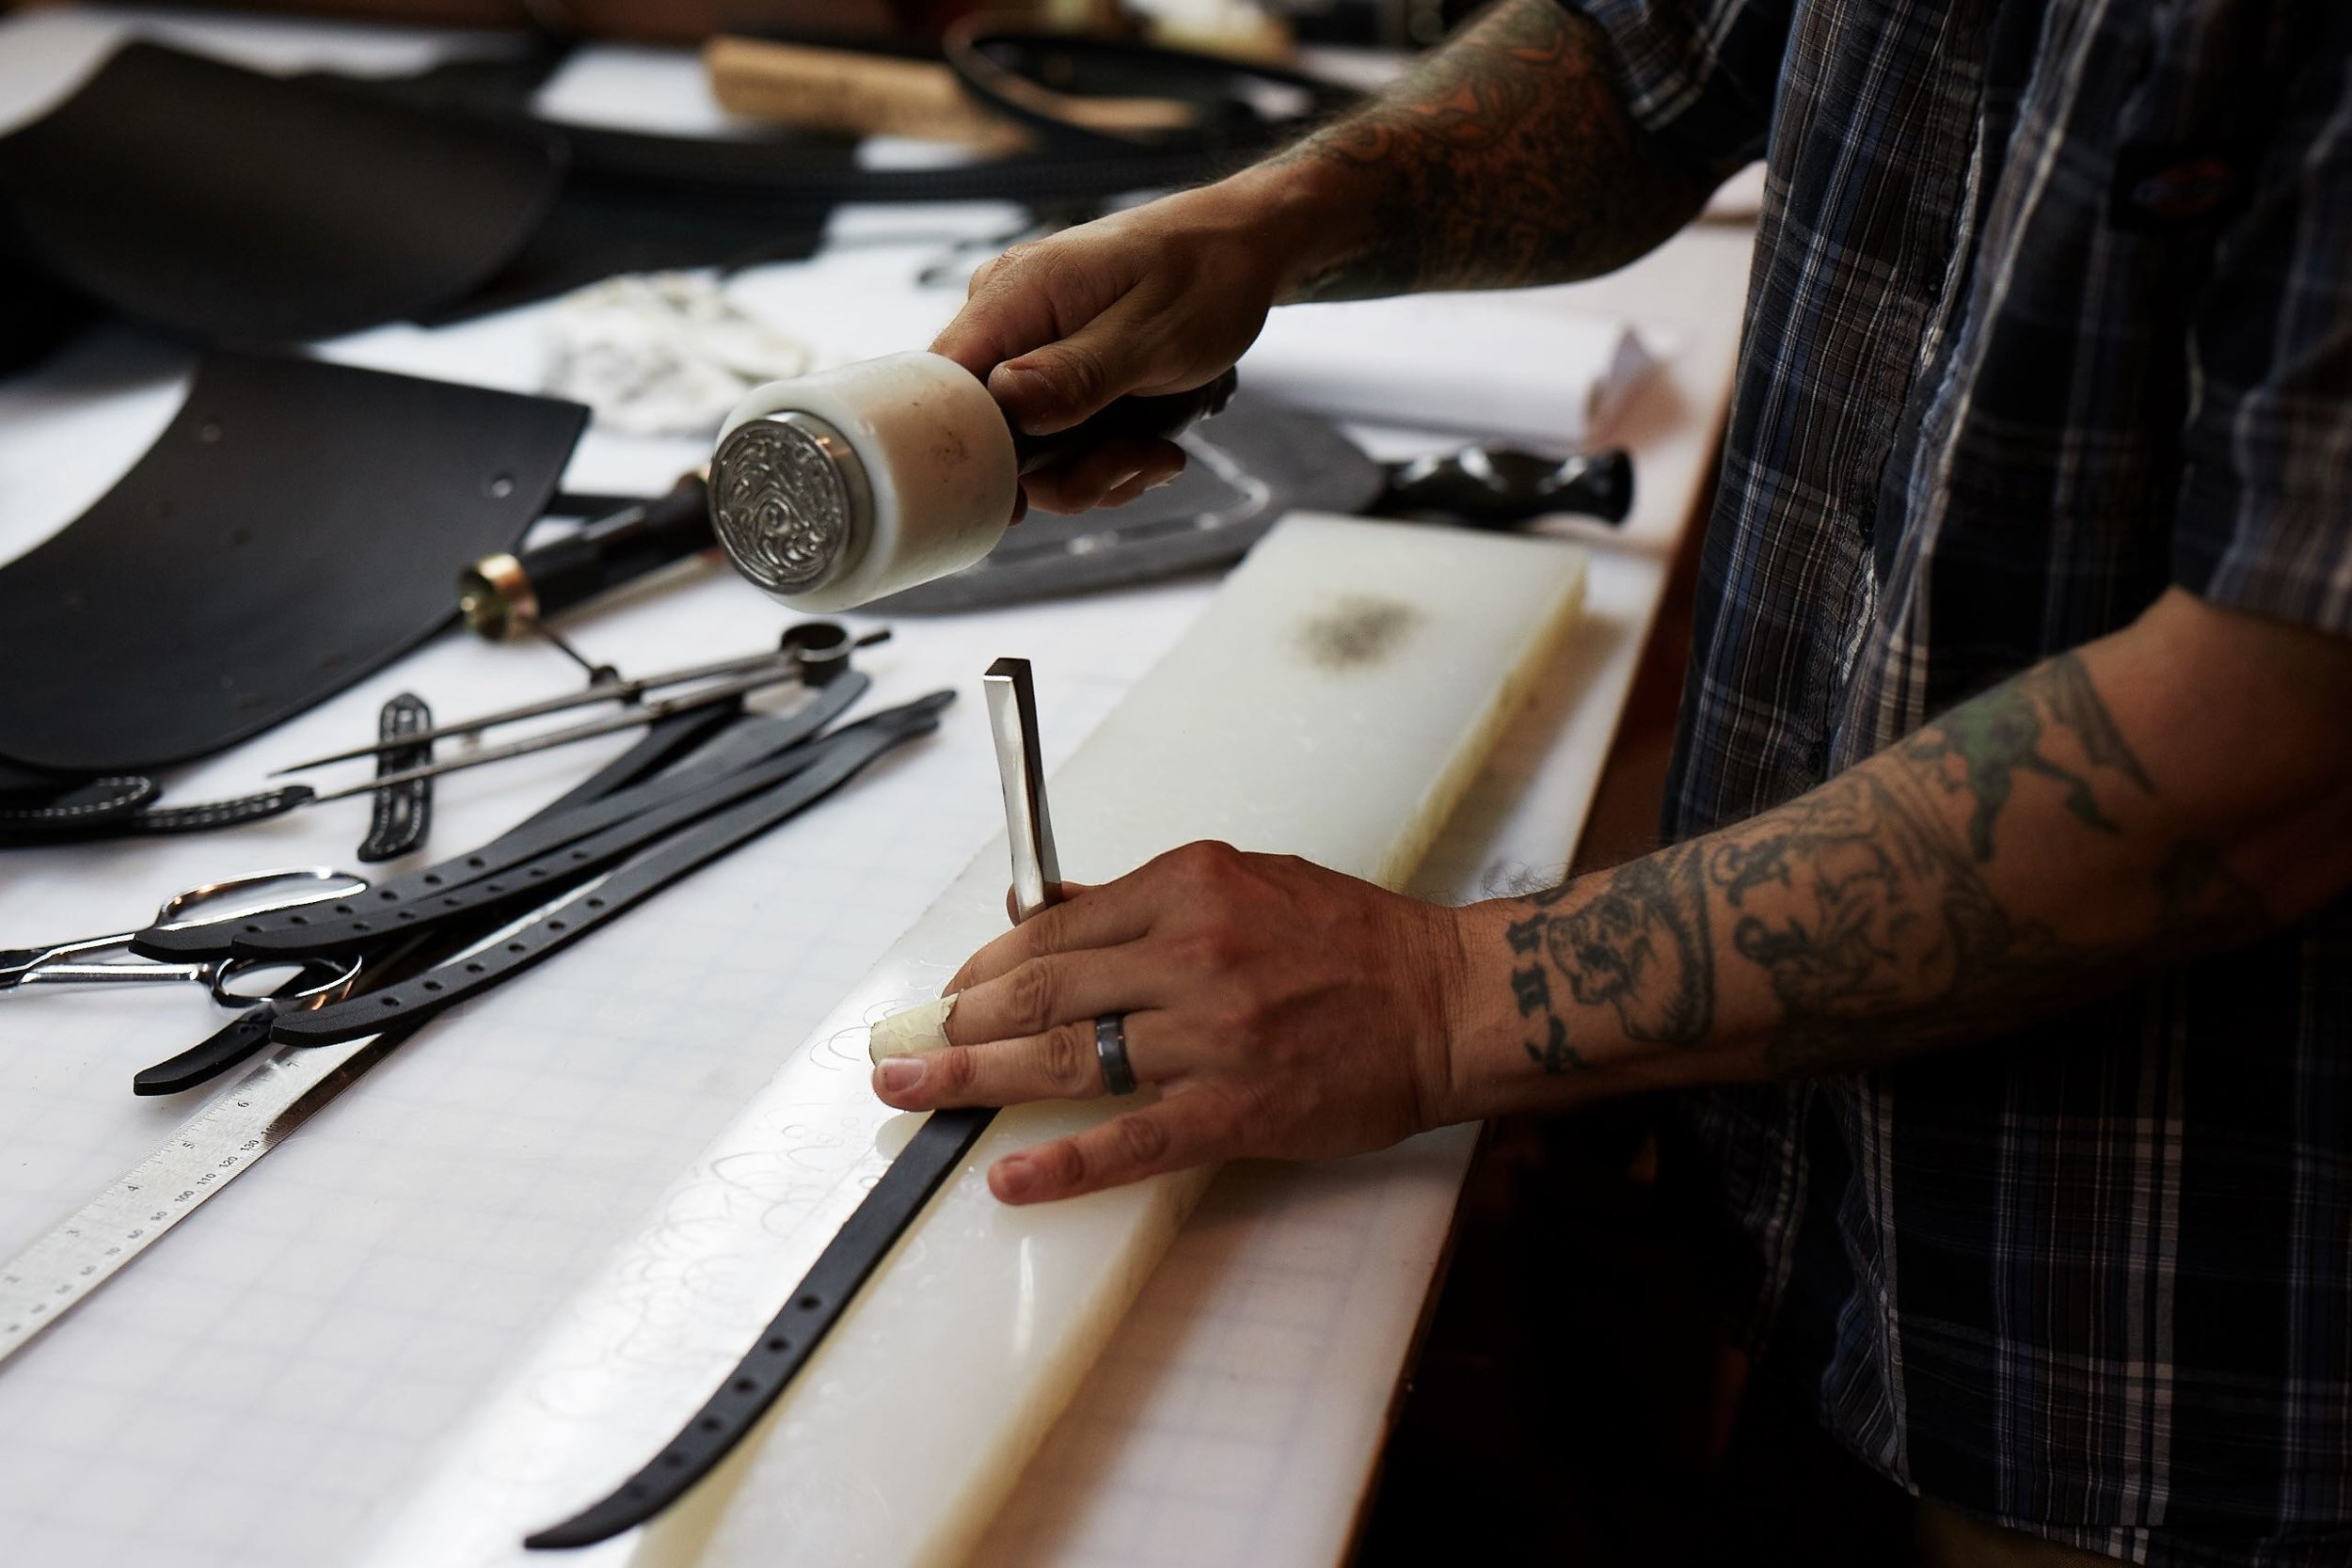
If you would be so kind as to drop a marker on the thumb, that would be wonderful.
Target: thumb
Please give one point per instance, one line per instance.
(1053, 387)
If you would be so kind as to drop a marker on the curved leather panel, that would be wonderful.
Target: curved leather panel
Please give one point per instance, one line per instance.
(248, 208)
(297, 526)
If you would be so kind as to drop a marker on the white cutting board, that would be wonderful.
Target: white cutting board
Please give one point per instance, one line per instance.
(1333, 702)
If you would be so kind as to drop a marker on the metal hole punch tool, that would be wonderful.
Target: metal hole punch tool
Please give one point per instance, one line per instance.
(816, 1303)
(1021, 769)
(810, 653)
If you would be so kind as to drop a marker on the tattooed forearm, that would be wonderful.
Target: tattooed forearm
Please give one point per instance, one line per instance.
(1980, 747)
(1891, 908)
(1506, 159)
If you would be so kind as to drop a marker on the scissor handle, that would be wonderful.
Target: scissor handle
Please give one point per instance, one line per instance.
(206, 892)
(70, 963)
(25, 966)
(334, 974)
(46, 972)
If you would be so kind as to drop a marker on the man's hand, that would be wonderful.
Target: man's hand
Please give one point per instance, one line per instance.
(1160, 298)
(1278, 1008)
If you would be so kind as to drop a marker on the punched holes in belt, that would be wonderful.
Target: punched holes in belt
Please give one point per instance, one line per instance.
(481, 971)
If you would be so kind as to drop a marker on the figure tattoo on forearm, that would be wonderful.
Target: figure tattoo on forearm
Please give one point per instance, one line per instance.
(1867, 912)
(1506, 159)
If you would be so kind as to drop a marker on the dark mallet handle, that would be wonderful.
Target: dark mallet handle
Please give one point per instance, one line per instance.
(1129, 418)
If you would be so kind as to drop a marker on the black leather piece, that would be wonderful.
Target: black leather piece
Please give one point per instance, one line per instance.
(400, 816)
(841, 757)
(296, 527)
(212, 1056)
(118, 807)
(809, 1314)
(597, 229)
(364, 920)
(98, 806)
(465, 883)
(37, 310)
(665, 739)
(207, 814)
(242, 207)
(1004, 69)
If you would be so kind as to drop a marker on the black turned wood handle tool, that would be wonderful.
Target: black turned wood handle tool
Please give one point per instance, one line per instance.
(503, 596)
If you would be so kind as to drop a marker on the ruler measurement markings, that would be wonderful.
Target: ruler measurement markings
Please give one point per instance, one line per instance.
(54, 1273)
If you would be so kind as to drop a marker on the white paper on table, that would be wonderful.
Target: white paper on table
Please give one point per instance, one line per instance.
(1483, 364)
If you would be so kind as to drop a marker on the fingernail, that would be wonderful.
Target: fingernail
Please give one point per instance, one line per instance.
(1019, 388)
(898, 1074)
(1015, 1176)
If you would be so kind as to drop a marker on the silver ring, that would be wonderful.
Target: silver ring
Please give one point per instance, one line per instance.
(1110, 1051)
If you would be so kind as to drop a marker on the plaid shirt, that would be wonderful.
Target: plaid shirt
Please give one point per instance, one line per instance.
(2052, 310)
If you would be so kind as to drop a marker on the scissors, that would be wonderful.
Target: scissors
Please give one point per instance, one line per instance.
(108, 960)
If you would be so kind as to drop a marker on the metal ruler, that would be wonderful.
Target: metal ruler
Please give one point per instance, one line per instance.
(241, 1123)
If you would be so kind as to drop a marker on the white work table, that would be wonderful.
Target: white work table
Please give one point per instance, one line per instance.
(268, 1385)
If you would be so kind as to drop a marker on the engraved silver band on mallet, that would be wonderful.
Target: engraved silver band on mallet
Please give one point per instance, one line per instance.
(1110, 1052)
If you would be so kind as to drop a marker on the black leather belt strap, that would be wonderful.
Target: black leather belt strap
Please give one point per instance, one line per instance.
(120, 804)
(664, 742)
(365, 920)
(473, 881)
(400, 816)
(831, 1283)
(212, 1056)
(86, 808)
(208, 815)
(839, 758)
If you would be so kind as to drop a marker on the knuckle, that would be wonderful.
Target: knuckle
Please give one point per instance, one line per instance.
(1065, 1163)
(1033, 992)
(1067, 1058)
(1141, 1141)
(1081, 371)
(958, 1065)
(1241, 1023)
(1219, 945)
(1208, 860)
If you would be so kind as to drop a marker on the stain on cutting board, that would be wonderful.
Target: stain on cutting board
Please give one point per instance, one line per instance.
(1357, 631)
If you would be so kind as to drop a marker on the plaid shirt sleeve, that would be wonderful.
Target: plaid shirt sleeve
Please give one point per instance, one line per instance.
(2266, 517)
(1700, 75)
